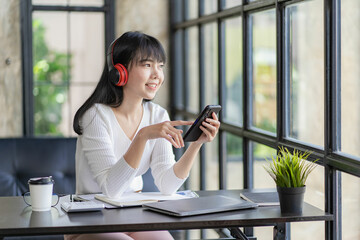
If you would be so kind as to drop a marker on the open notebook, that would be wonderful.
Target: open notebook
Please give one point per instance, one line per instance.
(132, 199)
(200, 205)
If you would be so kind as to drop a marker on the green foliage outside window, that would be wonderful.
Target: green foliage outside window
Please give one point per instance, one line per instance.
(234, 146)
(51, 81)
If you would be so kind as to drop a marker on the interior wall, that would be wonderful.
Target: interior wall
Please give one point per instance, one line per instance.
(10, 70)
(152, 18)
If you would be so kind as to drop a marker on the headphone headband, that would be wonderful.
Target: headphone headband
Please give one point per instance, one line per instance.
(109, 55)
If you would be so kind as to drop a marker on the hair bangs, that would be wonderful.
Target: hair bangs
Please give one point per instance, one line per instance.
(150, 48)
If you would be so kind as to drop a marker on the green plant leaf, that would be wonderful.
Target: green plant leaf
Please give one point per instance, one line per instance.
(290, 169)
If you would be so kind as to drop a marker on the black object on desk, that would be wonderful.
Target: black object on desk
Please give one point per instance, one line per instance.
(200, 205)
(262, 198)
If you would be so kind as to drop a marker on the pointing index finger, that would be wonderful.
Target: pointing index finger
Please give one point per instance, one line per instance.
(181, 122)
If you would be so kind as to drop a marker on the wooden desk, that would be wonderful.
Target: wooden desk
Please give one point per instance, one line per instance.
(16, 219)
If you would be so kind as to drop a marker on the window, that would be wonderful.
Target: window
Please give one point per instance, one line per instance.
(264, 70)
(260, 154)
(192, 9)
(306, 56)
(232, 3)
(192, 68)
(68, 46)
(350, 206)
(350, 72)
(234, 161)
(232, 105)
(211, 63)
(285, 75)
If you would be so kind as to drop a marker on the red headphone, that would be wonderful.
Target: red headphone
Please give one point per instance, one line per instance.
(118, 74)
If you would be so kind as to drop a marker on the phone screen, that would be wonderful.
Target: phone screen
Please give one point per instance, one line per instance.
(194, 131)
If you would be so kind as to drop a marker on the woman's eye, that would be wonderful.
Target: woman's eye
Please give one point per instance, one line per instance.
(147, 65)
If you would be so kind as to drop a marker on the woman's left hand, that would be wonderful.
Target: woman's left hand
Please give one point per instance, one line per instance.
(210, 128)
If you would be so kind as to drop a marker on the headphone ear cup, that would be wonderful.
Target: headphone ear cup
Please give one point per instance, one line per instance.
(121, 73)
(114, 76)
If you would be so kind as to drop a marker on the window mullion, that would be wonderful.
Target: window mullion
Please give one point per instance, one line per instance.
(332, 115)
(247, 98)
(27, 65)
(222, 86)
(202, 102)
(282, 67)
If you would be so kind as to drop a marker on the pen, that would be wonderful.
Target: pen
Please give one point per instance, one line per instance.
(79, 199)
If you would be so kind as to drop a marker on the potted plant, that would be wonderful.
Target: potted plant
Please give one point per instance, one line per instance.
(290, 171)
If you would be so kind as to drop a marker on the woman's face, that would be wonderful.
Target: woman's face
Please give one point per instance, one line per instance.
(145, 78)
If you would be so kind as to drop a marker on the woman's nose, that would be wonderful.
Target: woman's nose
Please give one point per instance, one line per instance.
(157, 72)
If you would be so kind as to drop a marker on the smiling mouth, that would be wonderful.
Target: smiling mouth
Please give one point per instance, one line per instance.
(152, 85)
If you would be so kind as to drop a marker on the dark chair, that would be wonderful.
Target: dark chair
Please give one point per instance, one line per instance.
(23, 158)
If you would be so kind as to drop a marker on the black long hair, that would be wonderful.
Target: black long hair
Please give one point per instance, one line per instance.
(130, 48)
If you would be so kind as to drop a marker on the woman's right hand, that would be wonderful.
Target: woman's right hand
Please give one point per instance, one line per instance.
(165, 130)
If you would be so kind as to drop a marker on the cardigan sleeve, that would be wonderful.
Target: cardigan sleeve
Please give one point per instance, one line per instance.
(113, 175)
(162, 163)
(162, 168)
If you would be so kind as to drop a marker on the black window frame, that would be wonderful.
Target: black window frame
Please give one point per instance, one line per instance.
(333, 160)
(26, 9)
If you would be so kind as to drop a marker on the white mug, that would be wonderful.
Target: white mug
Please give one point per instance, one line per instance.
(41, 191)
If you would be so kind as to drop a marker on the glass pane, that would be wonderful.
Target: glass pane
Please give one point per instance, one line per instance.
(261, 178)
(350, 186)
(232, 3)
(263, 232)
(210, 234)
(92, 3)
(264, 70)
(192, 9)
(49, 104)
(306, 71)
(350, 72)
(51, 71)
(211, 64)
(314, 229)
(49, 2)
(233, 70)
(79, 92)
(192, 68)
(314, 195)
(212, 164)
(87, 47)
(49, 35)
(194, 177)
(234, 162)
(194, 234)
(210, 6)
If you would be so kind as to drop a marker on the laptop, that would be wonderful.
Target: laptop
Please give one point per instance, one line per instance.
(200, 205)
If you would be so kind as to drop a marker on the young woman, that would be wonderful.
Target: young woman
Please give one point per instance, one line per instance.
(122, 134)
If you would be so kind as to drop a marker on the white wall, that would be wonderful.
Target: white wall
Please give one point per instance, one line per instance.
(152, 18)
(10, 70)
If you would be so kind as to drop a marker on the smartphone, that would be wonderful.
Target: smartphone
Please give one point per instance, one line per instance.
(194, 131)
